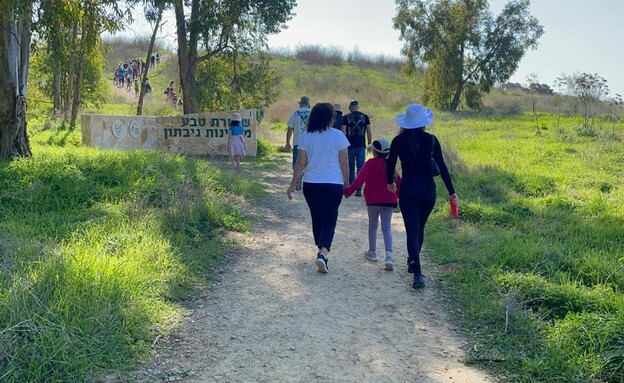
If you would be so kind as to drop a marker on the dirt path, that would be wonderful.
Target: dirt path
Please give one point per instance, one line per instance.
(271, 317)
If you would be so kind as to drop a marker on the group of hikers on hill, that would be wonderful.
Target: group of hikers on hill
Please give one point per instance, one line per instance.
(128, 75)
(328, 152)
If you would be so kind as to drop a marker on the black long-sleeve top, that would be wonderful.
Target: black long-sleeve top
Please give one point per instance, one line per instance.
(417, 162)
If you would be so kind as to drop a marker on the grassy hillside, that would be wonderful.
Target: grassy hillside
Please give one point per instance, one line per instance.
(98, 248)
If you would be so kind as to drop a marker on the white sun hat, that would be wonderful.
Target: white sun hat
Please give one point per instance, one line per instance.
(236, 117)
(415, 116)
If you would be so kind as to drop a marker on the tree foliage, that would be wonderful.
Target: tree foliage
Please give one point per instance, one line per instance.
(209, 28)
(460, 41)
(233, 81)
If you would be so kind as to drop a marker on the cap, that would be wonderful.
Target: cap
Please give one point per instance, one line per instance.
(305, 100)
(380, 145)
(353, 103)
(337, 107)
(236, 117)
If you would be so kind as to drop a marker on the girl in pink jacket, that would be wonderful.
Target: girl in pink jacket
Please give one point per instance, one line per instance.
(379, 201)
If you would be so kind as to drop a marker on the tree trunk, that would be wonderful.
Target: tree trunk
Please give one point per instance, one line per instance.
(15, 35)
(460, 82)
(56, 89)
(457, 96)
(70, 76)
(187, 54)
(147, 62)
(78, 85)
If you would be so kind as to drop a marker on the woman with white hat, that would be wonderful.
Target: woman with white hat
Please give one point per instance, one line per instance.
(416, 149)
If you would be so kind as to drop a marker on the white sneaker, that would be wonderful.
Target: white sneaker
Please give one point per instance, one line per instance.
(371, 256)
(388, 262)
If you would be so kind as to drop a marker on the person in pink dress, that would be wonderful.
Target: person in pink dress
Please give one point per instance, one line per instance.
(236, 141)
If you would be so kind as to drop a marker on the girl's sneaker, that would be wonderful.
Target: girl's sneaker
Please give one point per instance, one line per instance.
(371, 256)
(321, 263)
(388, 262)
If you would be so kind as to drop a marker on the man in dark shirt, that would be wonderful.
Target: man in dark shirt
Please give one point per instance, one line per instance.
(356, 126)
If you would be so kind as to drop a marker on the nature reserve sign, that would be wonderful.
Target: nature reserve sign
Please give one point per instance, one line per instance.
(197, 134)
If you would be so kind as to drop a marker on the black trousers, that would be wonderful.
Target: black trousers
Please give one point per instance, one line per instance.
(323, 201)
(417, 198)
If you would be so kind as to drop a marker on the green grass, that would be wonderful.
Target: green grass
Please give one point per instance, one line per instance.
(539, 245)
(98, 248)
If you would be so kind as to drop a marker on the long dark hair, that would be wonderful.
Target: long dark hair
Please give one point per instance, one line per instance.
(412, 142)
(321, 117)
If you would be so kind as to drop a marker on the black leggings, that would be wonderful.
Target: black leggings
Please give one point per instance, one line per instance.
(323, 201)
(417, 198)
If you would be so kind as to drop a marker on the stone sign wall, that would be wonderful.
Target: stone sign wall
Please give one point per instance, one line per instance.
(199, 134)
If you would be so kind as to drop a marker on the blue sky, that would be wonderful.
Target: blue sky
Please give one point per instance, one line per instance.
(580, 35)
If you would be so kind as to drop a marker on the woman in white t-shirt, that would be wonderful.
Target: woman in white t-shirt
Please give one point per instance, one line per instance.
(322, 160)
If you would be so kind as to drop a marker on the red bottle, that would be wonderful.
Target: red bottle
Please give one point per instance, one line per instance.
(454, 208)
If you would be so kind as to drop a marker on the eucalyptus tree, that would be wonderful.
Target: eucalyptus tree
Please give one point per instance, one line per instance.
(209, 28)
(15, 38)
(70, 30)
(460, 42)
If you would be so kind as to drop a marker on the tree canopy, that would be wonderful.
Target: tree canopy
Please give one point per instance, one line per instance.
(460, 42)
(208, 28)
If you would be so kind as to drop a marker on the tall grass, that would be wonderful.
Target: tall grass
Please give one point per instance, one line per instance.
(539, 247)
(97, 248)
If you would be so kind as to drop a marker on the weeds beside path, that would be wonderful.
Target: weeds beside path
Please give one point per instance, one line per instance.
(270, 317)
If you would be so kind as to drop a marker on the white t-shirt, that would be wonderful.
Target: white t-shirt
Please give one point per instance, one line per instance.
(298, 121)
(322, 151)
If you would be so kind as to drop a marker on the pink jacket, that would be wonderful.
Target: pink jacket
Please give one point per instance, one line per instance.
(373, 174)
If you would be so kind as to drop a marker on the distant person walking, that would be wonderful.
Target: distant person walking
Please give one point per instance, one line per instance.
(339, 117)
(171, 96)
(236, 141)
(322, 161)
(357, 128)
(297, 123)
(380, 202)
(148, 89)
(415, 148)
